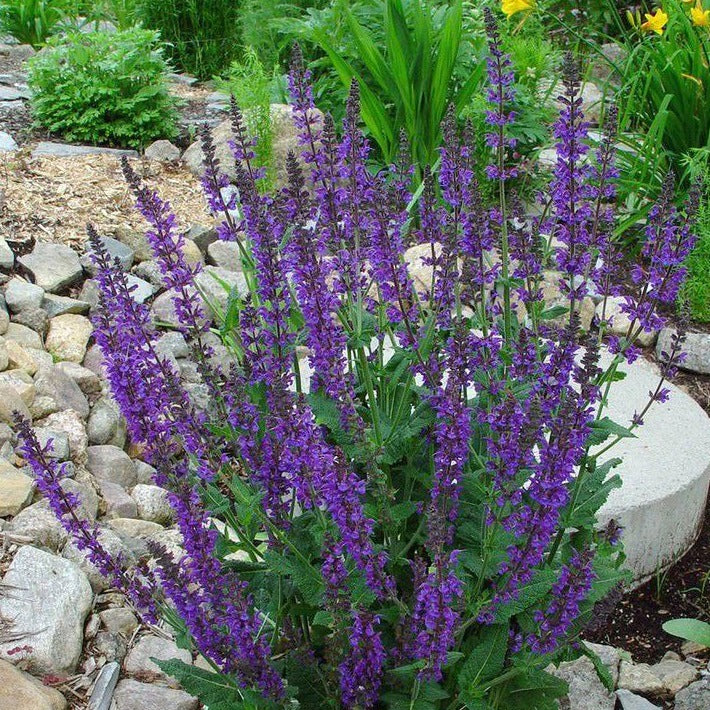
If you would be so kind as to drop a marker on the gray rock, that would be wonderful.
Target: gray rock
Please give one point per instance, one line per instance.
(696, 348)
(85, 492)
(225, 254)
(695, 697)
(21, 294)
(51, 601)
(70, 422)
(631, 701)
(152, 504)
(116, 250)
(173, 345)
(21, 691)
(20, 358)
(150, 272)
(110, 646)
(141, 290)
(35, 319)
(4, 355)
(90, 293)
(7, 258)
(16, 489)
(65, 150)
(39, 524)
(88, 381)
(68, 337)
(53, 266)
(202, 235)
(23, 335)
(7, 142)
(132, 695)
(21, 382)
(639, 678)
(620, 321)
(94, 360)
(10, 93)
(59, 439)
(674, 674)
(586, 691)
(119, 620)
(609, 656)
(118, 503)
(106, 426)
(104, 686)
(134, 529)
(109, 463)
(163, 151)
(137, 241)
(144, 472)
(139, 664)
(11, 402)
(4, 319)
(54, 383)
(216, 283)
(59, 305)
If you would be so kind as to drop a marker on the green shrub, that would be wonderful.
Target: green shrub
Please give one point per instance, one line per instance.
(253, 87)
(202, 36)
(104, 88)
(32, 21)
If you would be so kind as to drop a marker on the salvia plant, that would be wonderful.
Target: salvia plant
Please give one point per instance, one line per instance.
(388, 498)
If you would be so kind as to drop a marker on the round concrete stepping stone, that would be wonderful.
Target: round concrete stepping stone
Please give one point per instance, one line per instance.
(665, 472)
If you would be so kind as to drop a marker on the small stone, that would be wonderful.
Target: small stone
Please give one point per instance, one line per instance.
(67, 150)
(21, 691)
(109, 463)
(94, 360)
(35, 319)
(113, 544)
(16, 489)
(137, 241)
(145, 473)
(202, 236)
(132, 695)
(215, 285)
(104, 686)
(139, 664)
(43, 406)
(52, 382)
(106, 425)
(191, 252)
(24, 336)
(71, 424)
(59, 305)
(162, 151)
(50, 608)
(694, 697)
(7, 258)
(7, 143)
(119, 620)
(21, 294)
(4, 319)
(639, 678)
(53, 266)
(149, 270)
(225, 254)
(630, 701)
(118, 503)
(21, 358)
(21, 382)
(141, 290)
(68, 337)
(11, 402)
(609, 656)
(60, 442)
(88, 381)
(4, 355)
(586, 691)
(40, 525)
(153, 504)
(674, 674)
(691, 648)
(111, 646)
(696, 348)
(172, 344)
(134, 528)
(116, 250)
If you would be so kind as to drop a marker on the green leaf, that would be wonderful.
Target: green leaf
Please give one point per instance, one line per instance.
(530, 594)
(533, 690)
(602, 429)
(485, 660)
(216, 691)
(689, 629)
(602, 671)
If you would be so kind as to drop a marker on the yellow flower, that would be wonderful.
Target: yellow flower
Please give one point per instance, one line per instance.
(511, 7)
(656, 22)
(700, 17)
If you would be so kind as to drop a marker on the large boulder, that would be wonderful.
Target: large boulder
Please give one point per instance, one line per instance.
(50, 600)
(53, 266)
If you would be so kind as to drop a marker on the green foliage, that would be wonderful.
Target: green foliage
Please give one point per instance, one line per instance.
(202, 38)
(32, 21)
(254, 88)
(689, 629)
(103, 88)
(123, 13)
(408, 84)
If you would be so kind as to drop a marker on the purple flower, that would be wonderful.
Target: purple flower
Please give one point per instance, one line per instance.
(361, 672)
